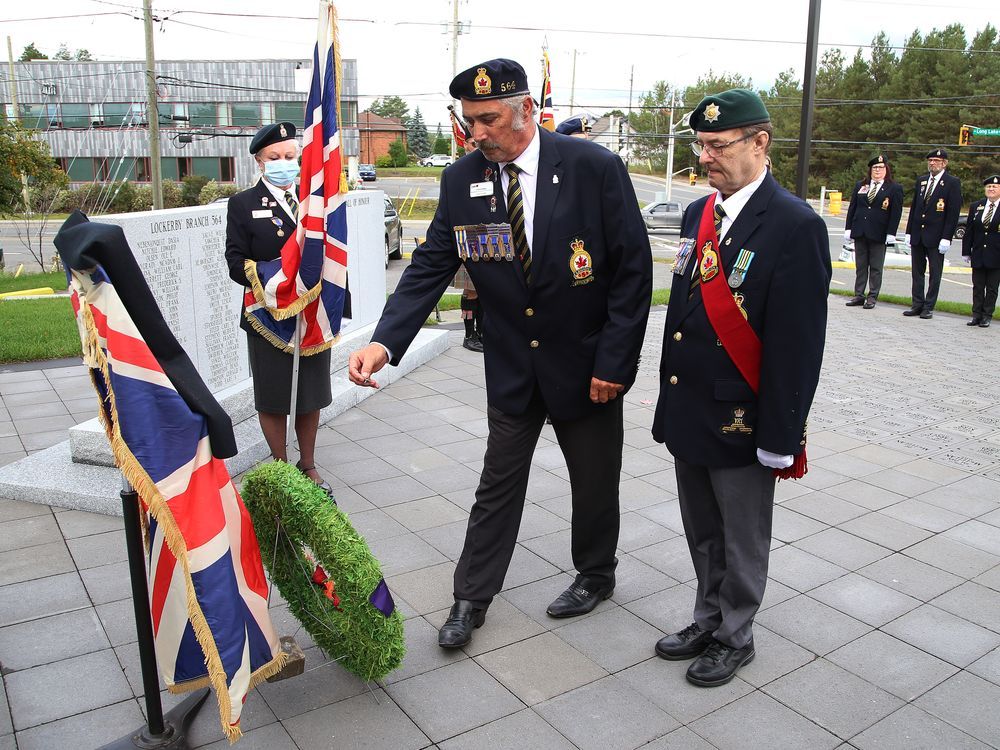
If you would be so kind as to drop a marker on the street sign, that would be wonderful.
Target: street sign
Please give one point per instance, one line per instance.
(986, 131)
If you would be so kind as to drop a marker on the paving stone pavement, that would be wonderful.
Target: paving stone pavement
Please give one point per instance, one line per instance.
(880, 627)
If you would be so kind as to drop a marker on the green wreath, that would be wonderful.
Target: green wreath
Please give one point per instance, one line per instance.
(325, 571)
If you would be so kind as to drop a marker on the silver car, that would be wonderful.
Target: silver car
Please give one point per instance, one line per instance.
(663, 215)
(393, 232)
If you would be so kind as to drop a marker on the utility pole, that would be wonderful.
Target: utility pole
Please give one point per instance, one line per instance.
(454, 64)
(670, 146)
(13, 101)
(628, 120)
(572, 86)
(152, 112)
(808, 101)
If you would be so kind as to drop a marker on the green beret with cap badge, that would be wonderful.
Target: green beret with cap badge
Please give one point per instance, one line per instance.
(735, 108)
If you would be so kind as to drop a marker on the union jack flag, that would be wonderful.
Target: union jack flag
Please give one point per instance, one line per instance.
(208, 593)
(310, 277)
(546, 118)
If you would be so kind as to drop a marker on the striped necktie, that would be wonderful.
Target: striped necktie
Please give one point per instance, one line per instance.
(930, 188)
(988, 216)
(292, 204)
(719, 212)
(871, 192)
(515, 215)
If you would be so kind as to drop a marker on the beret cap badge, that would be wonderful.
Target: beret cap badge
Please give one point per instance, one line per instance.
(712, 112)
(483, 83)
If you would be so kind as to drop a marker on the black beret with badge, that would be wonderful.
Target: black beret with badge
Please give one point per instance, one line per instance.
(493, 79)
(269, 134)
(735, 108)
(880, 159)
(993, 179)
(573, 125)
(938, 153)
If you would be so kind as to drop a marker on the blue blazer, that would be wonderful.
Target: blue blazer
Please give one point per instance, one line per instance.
(785, 296)
(982, 243)
(876, 220)
(935, 219)
(556, 333)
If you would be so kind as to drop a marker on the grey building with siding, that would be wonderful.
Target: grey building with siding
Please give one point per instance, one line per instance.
(93, 114)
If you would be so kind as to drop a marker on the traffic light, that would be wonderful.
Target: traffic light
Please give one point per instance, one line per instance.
(964, 133)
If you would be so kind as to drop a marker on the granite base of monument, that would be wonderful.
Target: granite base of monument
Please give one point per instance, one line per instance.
(52, 477)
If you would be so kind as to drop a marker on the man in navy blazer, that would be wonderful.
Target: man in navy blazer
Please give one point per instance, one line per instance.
(981, 248)
(769, 256)
(937, 203)
(549, 229)
(872, 221)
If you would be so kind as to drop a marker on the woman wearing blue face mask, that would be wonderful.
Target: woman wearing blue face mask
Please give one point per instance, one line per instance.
(260, 221)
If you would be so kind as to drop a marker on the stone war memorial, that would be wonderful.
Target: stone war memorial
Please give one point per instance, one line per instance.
(181, 254)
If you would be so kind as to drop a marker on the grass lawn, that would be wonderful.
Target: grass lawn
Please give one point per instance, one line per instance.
(54, 279)
(409, 172)
(38, 329)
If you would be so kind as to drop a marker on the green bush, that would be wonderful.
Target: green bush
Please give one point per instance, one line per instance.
(397, 152)
(214, 190)
(191, 189)
(384, 162)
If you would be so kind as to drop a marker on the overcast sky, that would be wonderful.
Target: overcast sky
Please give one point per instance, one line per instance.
(402, 48)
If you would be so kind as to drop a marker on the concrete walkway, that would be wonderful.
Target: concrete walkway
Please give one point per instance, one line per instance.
(879, 629)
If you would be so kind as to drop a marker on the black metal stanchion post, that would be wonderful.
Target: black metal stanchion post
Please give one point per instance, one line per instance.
(161, 732)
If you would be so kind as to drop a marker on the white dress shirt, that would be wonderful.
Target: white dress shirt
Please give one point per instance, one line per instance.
(527, 179)
(735, 202)
(279, 195)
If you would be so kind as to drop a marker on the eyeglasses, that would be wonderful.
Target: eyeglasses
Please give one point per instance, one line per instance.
(716, 149)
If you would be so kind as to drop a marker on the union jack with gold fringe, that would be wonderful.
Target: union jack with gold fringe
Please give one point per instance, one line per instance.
(546, 118)
(208, 593)
(310, 277)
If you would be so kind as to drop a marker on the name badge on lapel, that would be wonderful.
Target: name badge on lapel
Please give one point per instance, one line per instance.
(480, 189)
(263, 213)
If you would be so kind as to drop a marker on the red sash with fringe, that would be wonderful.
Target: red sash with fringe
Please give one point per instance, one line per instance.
(729, 322)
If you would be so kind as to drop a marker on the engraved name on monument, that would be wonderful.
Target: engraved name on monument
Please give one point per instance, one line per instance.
(181, 254)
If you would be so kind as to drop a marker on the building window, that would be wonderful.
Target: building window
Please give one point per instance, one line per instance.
(80, 169)
(142, 169)
(203, 114)
(117, 115)
(227, 169)
(206, 166)
(348, 114)
(293, 112)
(76, 115)
(183, 167)
(168, 169)
(247, 115)
(102, 169)
(33, 116)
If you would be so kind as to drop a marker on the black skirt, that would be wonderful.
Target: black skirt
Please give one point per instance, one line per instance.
(272, 379)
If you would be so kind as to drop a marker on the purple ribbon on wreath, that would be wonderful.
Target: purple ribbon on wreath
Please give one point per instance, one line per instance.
(381, 599)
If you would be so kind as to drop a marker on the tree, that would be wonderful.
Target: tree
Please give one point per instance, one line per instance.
(419, 140)
(397, 153)
(31, 52)
(442, 145)
(391, 106)
(20, 154)
(81, 55)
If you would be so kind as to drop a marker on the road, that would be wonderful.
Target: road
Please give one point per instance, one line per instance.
(956, 284)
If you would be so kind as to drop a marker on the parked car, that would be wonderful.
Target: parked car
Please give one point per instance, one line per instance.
(366, 172)
(436, 160)
(663, 215)
(960, 229)
(393, 232)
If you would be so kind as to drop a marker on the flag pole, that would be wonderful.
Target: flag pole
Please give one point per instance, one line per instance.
(161, 732)
(296, 354)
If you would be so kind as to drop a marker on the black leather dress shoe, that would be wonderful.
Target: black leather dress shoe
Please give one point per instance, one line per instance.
(579, 599)
(974, 322)
(912, 312)
(462, 620)
(926, 315)
(985, 323)
(869, 304)
(718, 664)
(686, 644)
(855, 302)
(473, 343)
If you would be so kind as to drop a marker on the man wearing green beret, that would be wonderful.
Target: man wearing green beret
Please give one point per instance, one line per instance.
(742, 350)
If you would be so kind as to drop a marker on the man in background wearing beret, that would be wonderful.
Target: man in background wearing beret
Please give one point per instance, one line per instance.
(937, 202)
(981, 247)
(872, 221)
(575, 126)
(549, 230)
(742, 350)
